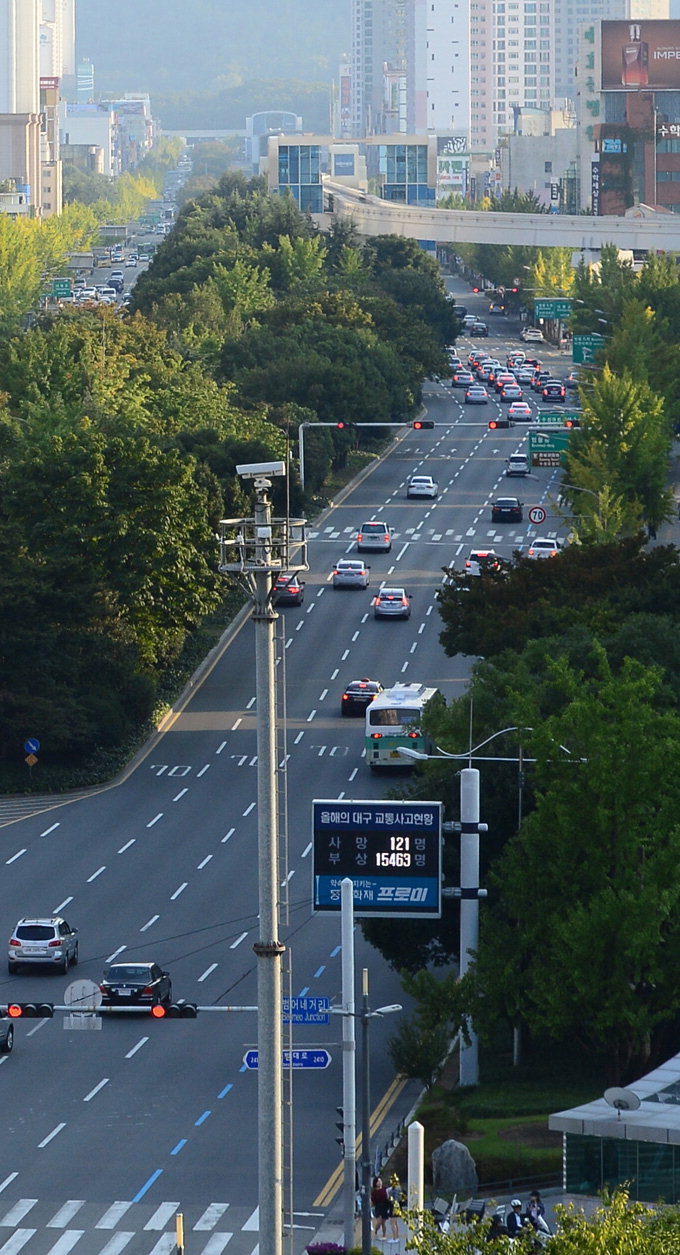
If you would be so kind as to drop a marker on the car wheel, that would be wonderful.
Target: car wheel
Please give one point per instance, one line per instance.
(74, 957)
(7, 1045)
(12, 969)
(65, 963)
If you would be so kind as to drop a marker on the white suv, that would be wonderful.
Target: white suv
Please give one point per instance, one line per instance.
(49, 941)
(374, 535)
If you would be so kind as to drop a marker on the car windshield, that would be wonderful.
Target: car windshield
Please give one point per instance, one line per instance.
(127, 972)
(35, 932)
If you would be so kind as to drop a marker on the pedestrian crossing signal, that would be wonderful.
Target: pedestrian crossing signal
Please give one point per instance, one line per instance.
(175, 1011)
(30, 1010)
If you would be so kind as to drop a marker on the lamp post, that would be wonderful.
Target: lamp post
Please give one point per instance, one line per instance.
(470, 829)
(365, 1015)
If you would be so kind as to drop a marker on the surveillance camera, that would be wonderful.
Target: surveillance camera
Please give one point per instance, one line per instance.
(256, 470)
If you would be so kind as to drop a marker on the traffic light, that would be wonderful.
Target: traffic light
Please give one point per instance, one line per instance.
(30, 1010)
(175, 1011)
(423, 424)
(572, 422)
(493, 424)
(340, 1124)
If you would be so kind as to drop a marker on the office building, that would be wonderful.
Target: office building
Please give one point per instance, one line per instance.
(511, 64)
(379, 49)
(19, 56)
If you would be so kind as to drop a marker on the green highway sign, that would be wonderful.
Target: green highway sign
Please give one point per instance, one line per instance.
(553, 308)
(61, 288)
(558, 418)
(547, 448)
(585, 347)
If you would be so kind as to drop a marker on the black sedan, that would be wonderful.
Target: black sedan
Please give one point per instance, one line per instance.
(289, 591)
(135, 985)
(358, 695)
(506, 510)
(554, 390)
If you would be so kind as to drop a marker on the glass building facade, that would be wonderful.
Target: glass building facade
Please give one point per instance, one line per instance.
(403, 168)
(650, 1170)
(299, 172)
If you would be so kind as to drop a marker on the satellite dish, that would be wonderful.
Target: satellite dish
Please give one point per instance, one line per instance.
(622, 1099)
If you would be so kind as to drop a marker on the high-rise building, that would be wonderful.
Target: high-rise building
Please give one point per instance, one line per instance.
(439, 67)
(511, 64)
(379, 49)
(57, 38)
(19, 56)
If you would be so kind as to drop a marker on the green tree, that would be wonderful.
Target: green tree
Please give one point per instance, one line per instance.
(423, 1040)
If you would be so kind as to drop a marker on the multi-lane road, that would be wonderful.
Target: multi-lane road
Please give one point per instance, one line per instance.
(107, 1133)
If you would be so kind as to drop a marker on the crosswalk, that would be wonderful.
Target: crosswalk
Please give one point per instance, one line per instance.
(31, 1226)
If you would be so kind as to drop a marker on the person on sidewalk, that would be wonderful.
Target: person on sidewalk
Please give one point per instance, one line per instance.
(395, 1193)
(380, 1202)
(516, 1221)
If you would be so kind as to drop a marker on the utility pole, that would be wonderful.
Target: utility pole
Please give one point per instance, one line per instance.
(469, 906)
(258, 549)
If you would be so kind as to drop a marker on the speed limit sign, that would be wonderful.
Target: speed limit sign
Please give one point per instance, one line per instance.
(537, 514)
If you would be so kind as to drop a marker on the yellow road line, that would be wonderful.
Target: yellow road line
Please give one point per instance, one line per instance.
(334, 1182)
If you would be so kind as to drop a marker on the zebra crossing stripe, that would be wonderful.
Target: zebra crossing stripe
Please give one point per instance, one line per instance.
(162, 1215)
(210, 1216)
(61, 1218)
(112, 1215)
(166, 1245)
(18, 1240)
(216, 1244)
(66, 1242)
(16, 1213)
(117, 1243)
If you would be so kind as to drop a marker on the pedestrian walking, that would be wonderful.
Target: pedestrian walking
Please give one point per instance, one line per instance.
(396, 1194)
(380, 1201)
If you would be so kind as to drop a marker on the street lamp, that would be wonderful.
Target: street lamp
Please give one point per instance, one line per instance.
(365, 1015)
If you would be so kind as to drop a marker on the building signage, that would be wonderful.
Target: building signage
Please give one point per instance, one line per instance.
(641, 56)
(49, 83)
(310, 1010)
(595, 188)
(668, 130)
(391, 851)
(343, 164)
(452, 173)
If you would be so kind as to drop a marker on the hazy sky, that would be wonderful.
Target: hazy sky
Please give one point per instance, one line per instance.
(200, 45)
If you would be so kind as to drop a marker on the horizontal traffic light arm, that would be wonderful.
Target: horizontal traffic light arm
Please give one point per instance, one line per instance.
(46, 1010)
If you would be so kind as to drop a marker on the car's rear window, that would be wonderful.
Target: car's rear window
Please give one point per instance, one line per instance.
(35, 932)
(121, 972)
(374, 527)
(390, 718)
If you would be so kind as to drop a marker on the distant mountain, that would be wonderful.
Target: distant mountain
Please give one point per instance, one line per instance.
(175, 46)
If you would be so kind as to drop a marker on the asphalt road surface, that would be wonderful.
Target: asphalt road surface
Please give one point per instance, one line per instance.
(108, 1133)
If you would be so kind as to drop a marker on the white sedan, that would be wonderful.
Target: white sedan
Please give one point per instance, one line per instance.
(545, 547)
(351, 573)
(422, 486)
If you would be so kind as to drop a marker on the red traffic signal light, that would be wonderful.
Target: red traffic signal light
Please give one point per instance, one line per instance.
(30, 1010)
(175, 1011)
(475, 289)
(572, 422)
(423, 424)
(341, 426)
(493, 423)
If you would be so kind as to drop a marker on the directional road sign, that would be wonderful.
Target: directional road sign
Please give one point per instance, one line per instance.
(585, 347)
(546, 448)
(554, 308)
(61, 288)
(549, 417)
(32, 745)
(306, 1010)
(537, 514)
(300, 1058)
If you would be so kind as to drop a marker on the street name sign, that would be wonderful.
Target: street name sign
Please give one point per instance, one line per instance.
(61, 288)
(550, 417)
(300, 1059)
(546, 448)
(391, 851)
(553, 308)
(585, 347)
(307, 1010)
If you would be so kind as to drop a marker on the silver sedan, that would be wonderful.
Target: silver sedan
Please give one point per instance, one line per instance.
(351, 573)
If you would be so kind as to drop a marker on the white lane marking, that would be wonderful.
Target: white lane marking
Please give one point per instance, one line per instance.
(404, 667)
(414, 647)
(161, 1216)
(18, 1240)
(66, 1242)
(289, 642)
(249, 809)
(58, 909)
(61, 1218)
(307, 850)
(220, 747)
(17, 1212)
(402, 551)
(204, 863)
(227, 835)
(90, 1096)
(251, 703)
(204, 975)
(253, 761)
(355, 637)
(117, 1243)
(336, 673)
(113, 1214)
(345, 656)
(180, 795)
(47, 831)
(252, 1224)
(324, 695)
(363, 620)
(211, 1215)
(116, 953)
(142, 1042)
(238, 941)
(234, 726)
(202, 771)
(177, 892)
(14, 857)
(155, 819)
(149, 922)
(127, 845)
(429, 610)
(55, 1131)
(301, 624)
(309, 609)
(13, 1175)
(311, 716)
(216, 1243)
(95, 874)
(421, 629)
(299, 737)
(353, 774)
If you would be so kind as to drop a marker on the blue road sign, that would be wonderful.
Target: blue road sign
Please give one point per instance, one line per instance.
(306, 1010)
(300, 1058)
(32, 745)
